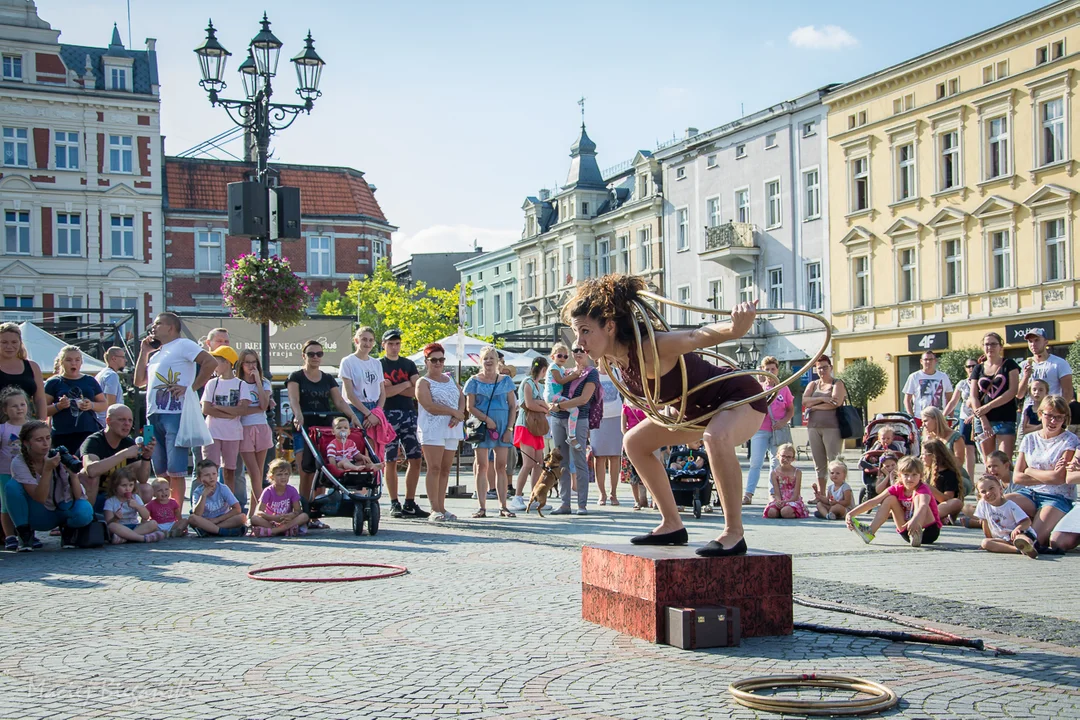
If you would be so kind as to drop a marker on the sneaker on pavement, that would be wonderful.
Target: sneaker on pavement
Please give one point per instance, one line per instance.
(819, 515)
(561, 511)
(516, 504)
(863, 531)
(411, 510)
(1023, 544)
(36, 544)
(915, 534)
(492, 494)
(26, 538)
(395, 509)
(582, 511)
(11, 543)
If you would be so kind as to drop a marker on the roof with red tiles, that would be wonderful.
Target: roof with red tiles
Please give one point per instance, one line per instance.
(200, 184)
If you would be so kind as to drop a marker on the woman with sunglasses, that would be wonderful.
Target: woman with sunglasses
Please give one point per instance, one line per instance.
(995, 383)
(313, 397)
(440, 425)
(961, 397)
(1046, 492)
(579, 394)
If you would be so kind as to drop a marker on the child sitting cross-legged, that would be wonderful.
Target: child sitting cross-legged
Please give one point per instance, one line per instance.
(165, 511)
(838, 498)
(127, 517)
(280, 511)
(910, 504)
(1006, 526)
(216, 510)
(786, 482)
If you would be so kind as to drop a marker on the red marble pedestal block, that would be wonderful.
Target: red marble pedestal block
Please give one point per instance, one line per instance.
(628, 587)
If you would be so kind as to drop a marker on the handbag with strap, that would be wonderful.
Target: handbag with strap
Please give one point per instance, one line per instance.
(850, 422)
(476, 431)
(536, 422)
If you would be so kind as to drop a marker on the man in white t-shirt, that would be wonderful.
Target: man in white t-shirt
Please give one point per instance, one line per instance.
(109, 379)
(1042, 365)
(928, 387)
(167, 366)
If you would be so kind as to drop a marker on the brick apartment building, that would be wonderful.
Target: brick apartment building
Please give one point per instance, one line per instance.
(344, 230)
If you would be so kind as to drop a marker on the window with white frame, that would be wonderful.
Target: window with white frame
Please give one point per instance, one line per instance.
(860, 184)
(568, 265)
(642, 186)
(860, 287)
(552, 272)
(814, 287)
(69, 234)
(954, 268)
(903, 104)
(809, 128)
(1054, 239)
(480, 312)
(644, 236)
(949, 147)
(603, 257)
(684, 298)
(905, 172)
(1001, 259)
(378, 251)
(496, 271)
(680, 173)
(122, 229)
(530, 279)
(742, 205)
(776, 287)
(585, 209)
(120, 154)
(509, 305)
(12, 67)
(682, 229)
(66, 150)
(770, 141)
(496, 309)
(118, 78)
(746, 288)
(17, 232)
(1047, 53)
(710, 162)
(274, 248)
(586, 262)
(69, 302)
(773, 216)
(812, 190)
(319, 252)
(16, 147)
(716, 294)
(624, 254)
(124, 303)
(208, 251)
(712, 211)
(740, 151)
(997, 147)
(907, 274)
(18, 301)
(1052, 138)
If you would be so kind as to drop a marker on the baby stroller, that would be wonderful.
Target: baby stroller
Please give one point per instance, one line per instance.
(690, 485)
(905, 442)
(351, 493)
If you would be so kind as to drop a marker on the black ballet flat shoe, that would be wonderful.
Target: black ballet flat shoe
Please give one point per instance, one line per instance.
(675, 537)
(715, 549)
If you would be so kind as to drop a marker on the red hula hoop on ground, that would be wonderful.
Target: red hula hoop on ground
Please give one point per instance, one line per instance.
(256, 573)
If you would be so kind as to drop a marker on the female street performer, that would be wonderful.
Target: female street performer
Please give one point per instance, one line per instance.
(602, 314)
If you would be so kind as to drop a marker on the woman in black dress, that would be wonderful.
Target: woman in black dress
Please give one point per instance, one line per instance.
(16, 370)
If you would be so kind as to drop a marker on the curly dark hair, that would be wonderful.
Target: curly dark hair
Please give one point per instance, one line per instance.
(610, 298)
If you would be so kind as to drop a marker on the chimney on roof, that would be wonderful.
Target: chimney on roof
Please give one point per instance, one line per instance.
(151, 44)
(545, 195)
(371, 187)
(691, 132)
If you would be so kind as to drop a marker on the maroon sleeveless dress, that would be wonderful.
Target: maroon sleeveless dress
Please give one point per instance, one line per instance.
(699, 402)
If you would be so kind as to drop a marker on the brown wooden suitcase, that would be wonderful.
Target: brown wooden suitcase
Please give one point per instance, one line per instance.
(703, 627)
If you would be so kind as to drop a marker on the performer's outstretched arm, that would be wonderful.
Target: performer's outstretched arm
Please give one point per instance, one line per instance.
(680, 342)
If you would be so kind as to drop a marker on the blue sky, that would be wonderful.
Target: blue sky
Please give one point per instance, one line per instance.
(458, 110)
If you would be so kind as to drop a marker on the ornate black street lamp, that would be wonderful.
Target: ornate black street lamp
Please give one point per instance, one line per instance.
(257, 114)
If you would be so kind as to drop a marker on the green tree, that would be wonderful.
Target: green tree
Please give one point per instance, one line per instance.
(952, 362)
(864, 380)
(1073, 358)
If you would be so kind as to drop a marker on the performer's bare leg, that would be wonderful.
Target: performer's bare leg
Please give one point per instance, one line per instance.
(728, 430)
(641, 442)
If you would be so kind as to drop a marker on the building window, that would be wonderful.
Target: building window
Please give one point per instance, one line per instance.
(1001, 249)
(480, 312)
(712, 211)
(642, 186)
(118, 79)
(496, 309)
(18, 301)
(716, 294)
(907, 274)
(948, 88)
(861, 285)
(1047, 53)
(16, 147)
(552, 272)
(66, 150)
(208, 251)
(509, 306)
(950, 160)
(273, 248)
(770, 141)
(746, 288)
(903, 104)
(814, 288)
(624, 254)
(680, 173)
(742, 205)
(585, 209)
(860, 184)
(123, 236)
(13, 67)
(378, 251)
(568, 265)
(586, 262)
(812, 188)
(496, 271)
(319, 261)
(954, 277)
(530, 279)
(740, 151)
(905, 172)
(997, 148)
(682, 232)
(120, 153)
(710, 161)
(1054, 234)
(69, 234)
(644, 236)
(603, 258)
(776, 287)
(17, 232)
(809, 128)
(773, 218)
(684, 298)
(69, 302)
(1053, 131)
(996, 71)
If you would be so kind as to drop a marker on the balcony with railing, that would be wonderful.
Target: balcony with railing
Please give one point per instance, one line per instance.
(732, 244)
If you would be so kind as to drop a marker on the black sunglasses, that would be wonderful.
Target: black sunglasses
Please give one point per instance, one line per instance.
(438, 359)
(318, 353)
(578, 351)
(561, 357)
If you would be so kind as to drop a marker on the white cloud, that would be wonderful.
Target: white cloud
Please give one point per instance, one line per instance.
(828, 37)
(450, 238)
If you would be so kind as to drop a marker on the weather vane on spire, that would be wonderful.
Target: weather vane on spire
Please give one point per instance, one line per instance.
(581, 102)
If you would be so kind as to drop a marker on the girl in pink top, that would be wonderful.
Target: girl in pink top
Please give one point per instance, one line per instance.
(909, 502)
(279, 511)
(775, 430)
(14, 405)
(631, 416)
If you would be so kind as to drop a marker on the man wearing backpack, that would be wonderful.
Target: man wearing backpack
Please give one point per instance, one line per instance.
(583, 394)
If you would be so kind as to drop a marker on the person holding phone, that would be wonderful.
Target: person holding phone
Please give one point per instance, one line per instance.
(73, 398)
(110, 449)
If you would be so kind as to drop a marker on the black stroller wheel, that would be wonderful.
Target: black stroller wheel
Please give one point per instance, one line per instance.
(358, 519)
(697, 507)
(372, 517)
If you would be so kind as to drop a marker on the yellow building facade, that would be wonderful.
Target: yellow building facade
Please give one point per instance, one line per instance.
(953, 201)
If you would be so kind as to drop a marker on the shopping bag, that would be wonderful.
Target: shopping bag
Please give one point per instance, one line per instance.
(193, 431)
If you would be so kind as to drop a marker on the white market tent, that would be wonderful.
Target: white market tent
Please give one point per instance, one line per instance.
(43, 348)
(471, 356)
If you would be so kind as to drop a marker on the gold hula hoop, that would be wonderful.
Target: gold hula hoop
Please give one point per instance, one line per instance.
(881, 697)
(658, 410)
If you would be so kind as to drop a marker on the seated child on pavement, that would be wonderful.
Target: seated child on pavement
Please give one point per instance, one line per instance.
(127, 517)
(165, 511)
(279, 511)
(886, 476)
(838, 498)
(216, 510)
(786, 480)
(1006, 526)
(910, 504)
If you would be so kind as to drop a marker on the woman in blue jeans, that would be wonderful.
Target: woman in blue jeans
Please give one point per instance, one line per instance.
(582, 394)
(767, 439)
(41, 493)
(490, 398)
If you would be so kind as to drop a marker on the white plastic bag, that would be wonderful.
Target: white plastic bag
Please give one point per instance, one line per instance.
(193, 431)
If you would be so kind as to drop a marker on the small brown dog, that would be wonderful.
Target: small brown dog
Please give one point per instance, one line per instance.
(549, 480)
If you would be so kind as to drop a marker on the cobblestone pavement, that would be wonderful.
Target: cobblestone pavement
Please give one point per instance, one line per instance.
(487, 624)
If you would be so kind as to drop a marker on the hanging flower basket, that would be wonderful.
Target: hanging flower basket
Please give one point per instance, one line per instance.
(265, 291)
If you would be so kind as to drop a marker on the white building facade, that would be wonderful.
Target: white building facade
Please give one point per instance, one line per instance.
(746, 215)
(80, 174)
(494, 279)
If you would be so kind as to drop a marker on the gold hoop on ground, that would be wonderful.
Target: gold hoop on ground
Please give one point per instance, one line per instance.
(660, 411)
(880, 697)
